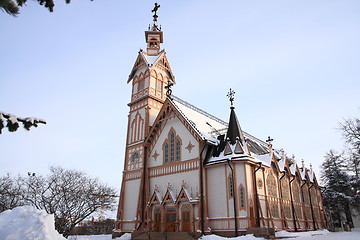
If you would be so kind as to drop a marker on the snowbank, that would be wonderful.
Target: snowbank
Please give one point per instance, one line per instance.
(27, 223)
(215, 237)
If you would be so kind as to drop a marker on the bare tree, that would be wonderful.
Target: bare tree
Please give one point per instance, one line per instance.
(12, 6)
(70, 195)
(10, 193)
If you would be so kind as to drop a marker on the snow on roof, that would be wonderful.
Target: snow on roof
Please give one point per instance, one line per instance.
(265, 159)
(159, 197)
(150, 59)
(302, 174)
(207, 125)
(293, 167)
(281, 164)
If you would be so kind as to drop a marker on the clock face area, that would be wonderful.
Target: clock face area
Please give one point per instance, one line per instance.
(134, 158)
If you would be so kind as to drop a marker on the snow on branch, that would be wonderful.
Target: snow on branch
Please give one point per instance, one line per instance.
(12, 122)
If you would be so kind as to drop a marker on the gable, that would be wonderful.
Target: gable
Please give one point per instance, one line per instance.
(139, 62)
(171, 131)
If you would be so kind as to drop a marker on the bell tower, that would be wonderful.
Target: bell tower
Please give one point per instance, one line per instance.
(150, 74)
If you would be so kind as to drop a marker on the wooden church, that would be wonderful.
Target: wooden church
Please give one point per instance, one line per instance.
(188, 171)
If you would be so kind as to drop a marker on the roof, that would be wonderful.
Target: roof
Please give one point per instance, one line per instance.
(210, 127)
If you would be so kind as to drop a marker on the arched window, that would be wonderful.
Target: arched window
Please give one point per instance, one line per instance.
(159, 85)
(172, 147)
(272, 191)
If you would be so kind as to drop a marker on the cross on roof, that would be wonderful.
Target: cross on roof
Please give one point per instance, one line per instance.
(168, 89)
(269, 140)
(230, 95)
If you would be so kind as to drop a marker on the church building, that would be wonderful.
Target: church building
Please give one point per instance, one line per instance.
(188, 171)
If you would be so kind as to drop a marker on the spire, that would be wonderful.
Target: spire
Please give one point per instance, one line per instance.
(154, 35)
(234, 129)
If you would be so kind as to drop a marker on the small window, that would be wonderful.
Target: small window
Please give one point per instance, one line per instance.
(135, 157)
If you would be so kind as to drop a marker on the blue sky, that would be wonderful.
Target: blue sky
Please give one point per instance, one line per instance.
(295, 67)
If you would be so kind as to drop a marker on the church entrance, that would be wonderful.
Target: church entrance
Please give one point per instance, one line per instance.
(185, 218)
(170, 219)
(157, 220)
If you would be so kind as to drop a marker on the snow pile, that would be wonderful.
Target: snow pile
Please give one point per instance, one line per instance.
(215, 237)
(27, 223)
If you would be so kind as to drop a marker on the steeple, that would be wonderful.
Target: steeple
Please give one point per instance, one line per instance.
(234, 129)
(154, 35)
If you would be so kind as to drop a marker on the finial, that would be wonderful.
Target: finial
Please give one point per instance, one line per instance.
(282, 154)
(155, 16)
(230, 95)
(168, 89)
(269, 140)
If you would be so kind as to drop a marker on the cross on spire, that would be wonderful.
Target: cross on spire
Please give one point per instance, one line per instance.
(155, 16)
(230, 95)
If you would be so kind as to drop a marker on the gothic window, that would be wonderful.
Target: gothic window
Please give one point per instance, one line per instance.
(137, 128)
(272, 191)
(296, 192)
(172, 147)
(159, 85)
(285, 189)
(141, 85)
(271, 185)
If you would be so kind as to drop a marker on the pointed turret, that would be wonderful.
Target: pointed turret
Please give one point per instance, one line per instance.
(234, 130)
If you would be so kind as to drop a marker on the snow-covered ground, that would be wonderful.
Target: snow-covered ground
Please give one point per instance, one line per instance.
(28, 223)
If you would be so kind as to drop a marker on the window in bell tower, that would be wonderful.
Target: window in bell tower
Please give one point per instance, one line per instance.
(141, 85)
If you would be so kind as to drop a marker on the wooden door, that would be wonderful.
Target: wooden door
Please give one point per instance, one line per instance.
(252, 217)
(170, 219)
(157, 220)
(185, 218)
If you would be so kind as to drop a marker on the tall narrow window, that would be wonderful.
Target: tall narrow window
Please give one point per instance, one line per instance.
(141, 85)
(231, 186)
(242, 197)
(159, 85)
(172, 147)
(166, 152)
(178, 147)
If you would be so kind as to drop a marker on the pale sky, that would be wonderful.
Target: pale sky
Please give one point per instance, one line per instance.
(295, 67)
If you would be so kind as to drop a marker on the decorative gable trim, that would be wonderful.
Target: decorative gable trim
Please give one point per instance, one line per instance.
(183, 196)
(169, 197)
